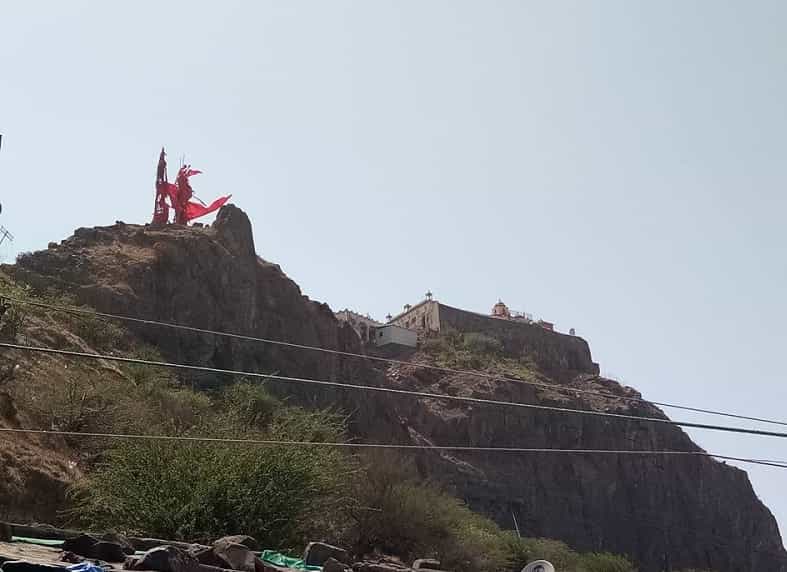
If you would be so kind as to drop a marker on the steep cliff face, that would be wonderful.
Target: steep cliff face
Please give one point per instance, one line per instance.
(694, 511)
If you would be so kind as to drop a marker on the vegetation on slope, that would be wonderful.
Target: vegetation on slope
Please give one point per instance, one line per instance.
(477, 351)
(283, 495)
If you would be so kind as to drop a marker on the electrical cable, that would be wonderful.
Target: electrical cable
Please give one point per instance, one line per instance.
(394, 361)
(342, 385)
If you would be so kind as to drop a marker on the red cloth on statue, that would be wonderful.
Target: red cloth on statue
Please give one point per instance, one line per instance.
(179, 194)
(196, 210)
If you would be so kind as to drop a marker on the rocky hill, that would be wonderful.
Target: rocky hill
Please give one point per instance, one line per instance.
(693, 512)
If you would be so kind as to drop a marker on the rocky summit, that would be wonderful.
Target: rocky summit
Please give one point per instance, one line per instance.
(682, 512)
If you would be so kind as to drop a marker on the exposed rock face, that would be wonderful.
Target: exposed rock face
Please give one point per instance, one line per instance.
(205, 277)
(696, 512)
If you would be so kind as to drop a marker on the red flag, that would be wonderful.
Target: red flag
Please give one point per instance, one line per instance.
(196, 210)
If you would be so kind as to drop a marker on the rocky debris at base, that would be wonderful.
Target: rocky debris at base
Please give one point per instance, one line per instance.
(20, 566)
(237, 553)
(163, 559)
(109, 548)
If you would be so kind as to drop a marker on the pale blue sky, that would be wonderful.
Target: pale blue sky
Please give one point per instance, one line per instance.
(615, 166)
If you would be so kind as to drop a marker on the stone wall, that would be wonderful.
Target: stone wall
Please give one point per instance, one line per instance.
(550, 350)
(421, 317)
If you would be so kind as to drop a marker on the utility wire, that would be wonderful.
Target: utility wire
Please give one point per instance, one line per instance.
(552, 386)
(391, 390)
(350, 445)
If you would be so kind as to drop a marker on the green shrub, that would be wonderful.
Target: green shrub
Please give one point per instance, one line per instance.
(250, 404)
(477, 351)
(145, 375)
(99, 333)
(525, 550)
(12, 319)
(396, 515)
(482, 344)
(198, 491)
(604, 562)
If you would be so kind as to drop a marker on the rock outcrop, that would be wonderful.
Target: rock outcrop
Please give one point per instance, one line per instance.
(693, 511)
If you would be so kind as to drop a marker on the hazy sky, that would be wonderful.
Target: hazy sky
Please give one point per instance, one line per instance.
(616, 167)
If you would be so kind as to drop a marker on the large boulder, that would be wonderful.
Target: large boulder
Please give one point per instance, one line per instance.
(206, 555)
(317, 553)
(108, 551)
(82, 545)
(163, 559)
(238, 555)
(333, 565)
(119, 539)
(248, 541)
(111, 548)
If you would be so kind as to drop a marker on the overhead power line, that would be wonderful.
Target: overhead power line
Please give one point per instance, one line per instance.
(544, 385)
(351, 445)
(391, 390)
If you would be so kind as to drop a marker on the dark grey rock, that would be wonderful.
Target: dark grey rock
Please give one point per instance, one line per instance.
(71, 558)
(119, 539)
(21, 566)
(82, 545)
(163, 559)
(248, 541)
(206, 555)
(5, 532)
(108, 551)
(333, 565)
(317, 553)
(238, 556)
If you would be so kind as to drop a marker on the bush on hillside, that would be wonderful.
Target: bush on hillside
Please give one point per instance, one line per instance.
(199, 491)
(482, 343)
(12, 319)
(524, 550)
(250, 404)
(604, 562)
(398, 516)
(477, 351)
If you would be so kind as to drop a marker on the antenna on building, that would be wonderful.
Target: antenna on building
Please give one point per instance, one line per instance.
(388, 317)
(4, 234)
(428, 294)
(407, 307)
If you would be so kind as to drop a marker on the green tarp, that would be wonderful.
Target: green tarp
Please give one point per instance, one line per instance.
(279, 559)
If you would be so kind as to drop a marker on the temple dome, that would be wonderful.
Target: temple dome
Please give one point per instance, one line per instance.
(500, 310)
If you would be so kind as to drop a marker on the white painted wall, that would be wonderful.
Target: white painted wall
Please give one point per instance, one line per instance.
(392, 334)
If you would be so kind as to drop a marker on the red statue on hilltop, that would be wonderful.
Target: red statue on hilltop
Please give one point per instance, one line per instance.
(179, 195)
